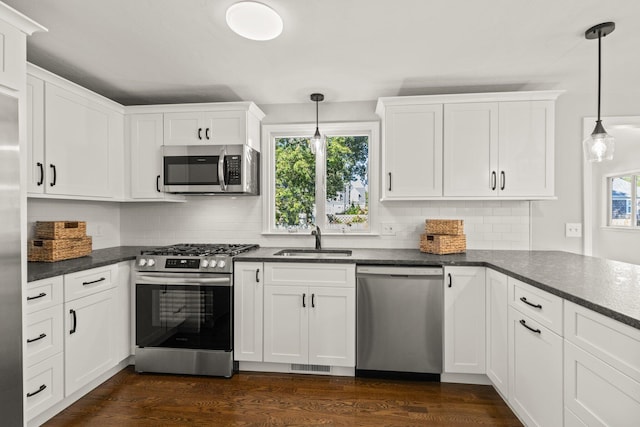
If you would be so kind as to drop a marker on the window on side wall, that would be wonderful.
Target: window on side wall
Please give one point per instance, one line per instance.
(623, 204)
(331, 188)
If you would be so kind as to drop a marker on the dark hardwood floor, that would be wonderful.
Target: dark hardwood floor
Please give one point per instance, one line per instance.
(130, 399)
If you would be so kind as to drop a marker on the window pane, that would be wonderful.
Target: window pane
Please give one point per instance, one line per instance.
(347, 202)
(295, 200)
(621, 200)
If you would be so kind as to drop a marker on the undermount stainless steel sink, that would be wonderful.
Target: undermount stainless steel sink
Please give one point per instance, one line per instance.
(311, 253)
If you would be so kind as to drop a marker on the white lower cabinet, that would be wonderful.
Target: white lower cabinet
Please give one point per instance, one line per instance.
(248, 287)
(43, 357)
(497, 300)
(309, 314)
(464, 320)
(535, 371)
(601, 370)
(89, 339)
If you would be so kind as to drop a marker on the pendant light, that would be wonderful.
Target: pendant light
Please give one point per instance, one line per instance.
(317, 140)
(600, 145)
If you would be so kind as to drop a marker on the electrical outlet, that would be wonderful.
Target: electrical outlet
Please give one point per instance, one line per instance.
(573, 229)
(388, 230)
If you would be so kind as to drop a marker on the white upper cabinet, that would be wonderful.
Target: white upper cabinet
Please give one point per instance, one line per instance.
(75, 140)
(468, 146)
(224, 124)
(412, 147)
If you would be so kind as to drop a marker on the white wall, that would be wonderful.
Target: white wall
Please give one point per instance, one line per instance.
(102, 218)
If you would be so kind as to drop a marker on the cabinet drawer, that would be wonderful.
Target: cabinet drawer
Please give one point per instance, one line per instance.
(598, 394)
(615, 343)
(88, 282)
(43, 334)
(536, 303)
(310, 274)
(43, 385)
(44, 293)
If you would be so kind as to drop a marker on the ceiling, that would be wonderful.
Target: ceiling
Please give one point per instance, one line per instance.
(173, 51)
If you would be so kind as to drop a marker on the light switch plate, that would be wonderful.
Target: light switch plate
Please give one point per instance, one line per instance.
(573, 229)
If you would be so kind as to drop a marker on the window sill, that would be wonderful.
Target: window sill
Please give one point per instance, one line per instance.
(623, 229)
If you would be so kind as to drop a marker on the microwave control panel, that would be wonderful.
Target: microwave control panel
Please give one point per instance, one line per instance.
(233, 164)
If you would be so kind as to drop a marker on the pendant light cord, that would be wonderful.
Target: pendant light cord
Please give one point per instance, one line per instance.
(599, 69)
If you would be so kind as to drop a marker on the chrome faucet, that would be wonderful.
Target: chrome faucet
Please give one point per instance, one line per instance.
(318, 235)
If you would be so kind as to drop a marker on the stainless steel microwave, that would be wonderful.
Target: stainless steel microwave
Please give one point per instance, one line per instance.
(211, 169)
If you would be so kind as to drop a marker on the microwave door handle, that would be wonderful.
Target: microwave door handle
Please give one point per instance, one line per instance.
(221, 171)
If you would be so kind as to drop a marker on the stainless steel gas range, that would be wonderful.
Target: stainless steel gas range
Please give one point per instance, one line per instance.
(184, 309)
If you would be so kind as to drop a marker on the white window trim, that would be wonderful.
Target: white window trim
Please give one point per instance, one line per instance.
(272, 131)
(606, 206)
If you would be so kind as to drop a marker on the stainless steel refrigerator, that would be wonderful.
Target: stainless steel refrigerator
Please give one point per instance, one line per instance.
(11, 399)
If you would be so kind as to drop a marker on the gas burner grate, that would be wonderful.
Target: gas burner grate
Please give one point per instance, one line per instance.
(200, 250)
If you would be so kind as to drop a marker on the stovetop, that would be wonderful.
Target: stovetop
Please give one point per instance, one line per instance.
(200, 249)
(187, 258)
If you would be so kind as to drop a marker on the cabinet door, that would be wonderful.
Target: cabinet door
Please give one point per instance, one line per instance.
(225, 127)
(332, 320)
(247, 314)
(535, 371)
(89, 339)
(471, 149)
(525, 158)
(497, 299)
(464, 320)
(597, 393)
(35, 135)
(412, 147)
(145, 138)
(286, 320)
(184, 129)
(77, 144)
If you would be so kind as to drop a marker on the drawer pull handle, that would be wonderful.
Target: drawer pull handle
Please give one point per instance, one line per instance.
(313, 300)
(158, 184)
(72, 312)
(40, 295)
(524, 300)
(523, 323)
(450, 280)
(102, 279)
(304, 302)
(30, 340)
(257, 275)
(42, 387)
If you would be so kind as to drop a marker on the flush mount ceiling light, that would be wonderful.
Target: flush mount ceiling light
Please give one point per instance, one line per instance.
(254, 21)
(600, 145)
(316, 141)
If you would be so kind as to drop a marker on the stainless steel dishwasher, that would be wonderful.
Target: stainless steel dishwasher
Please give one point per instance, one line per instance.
(399, 321)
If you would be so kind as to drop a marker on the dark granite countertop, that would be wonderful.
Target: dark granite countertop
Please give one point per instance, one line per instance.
(98, 258)
(608, 287)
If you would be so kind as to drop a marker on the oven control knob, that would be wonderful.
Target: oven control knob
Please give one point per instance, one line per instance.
(213, 263)
(151, 262)
(142, 262)
(205, 263)
(221, 263)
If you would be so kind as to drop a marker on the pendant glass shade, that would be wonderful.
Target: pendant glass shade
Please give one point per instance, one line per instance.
(599, 145)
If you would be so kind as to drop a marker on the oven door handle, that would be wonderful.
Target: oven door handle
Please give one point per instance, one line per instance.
(169, 280)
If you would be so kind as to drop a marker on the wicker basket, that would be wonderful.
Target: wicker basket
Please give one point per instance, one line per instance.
(61, 229)
(442, 244)
(58, 250)
(444, 226)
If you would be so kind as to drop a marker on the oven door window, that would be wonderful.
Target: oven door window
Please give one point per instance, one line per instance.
(191, 170)
(175, 316)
